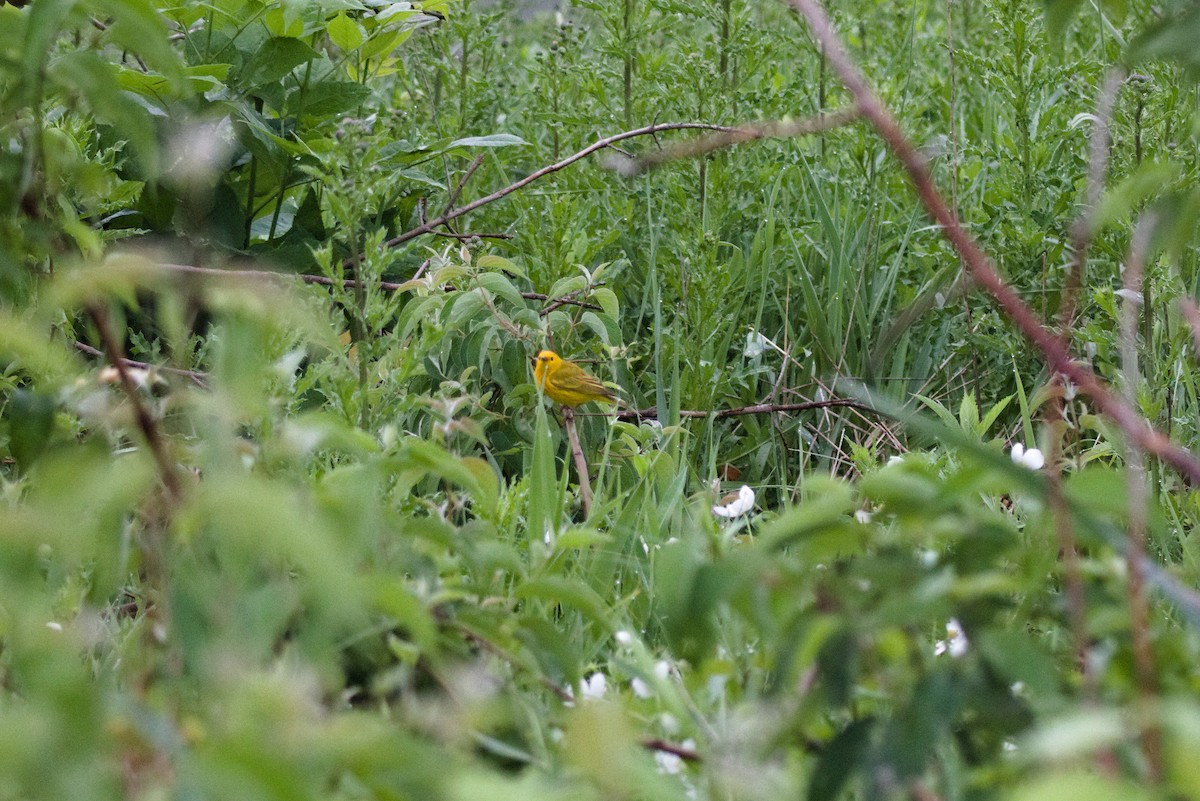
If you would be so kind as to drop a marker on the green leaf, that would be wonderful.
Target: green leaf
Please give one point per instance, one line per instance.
(1148, 180)
(607, 300)
(841, 759)
(490, 261)
(559, 589)
(31, 425)
(471, 473)
(96, 80)
(345, 33)
(277, 57)
(1173, 37)
(499, 285)
(328, 98)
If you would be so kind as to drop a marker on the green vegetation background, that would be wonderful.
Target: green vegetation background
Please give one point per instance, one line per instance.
(323, 540)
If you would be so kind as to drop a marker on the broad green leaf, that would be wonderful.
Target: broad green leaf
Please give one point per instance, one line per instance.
(277, 57)
(346, 33)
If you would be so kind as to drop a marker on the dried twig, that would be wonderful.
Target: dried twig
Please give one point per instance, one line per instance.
(141, 414)
(198, 378)
(749, 132)
(442, 219)
(581, 468)
(462, 182)
(686, 754)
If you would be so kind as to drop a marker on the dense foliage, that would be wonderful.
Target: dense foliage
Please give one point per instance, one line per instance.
(285, 516)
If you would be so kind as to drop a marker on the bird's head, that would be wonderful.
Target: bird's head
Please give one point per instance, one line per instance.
(546, 358)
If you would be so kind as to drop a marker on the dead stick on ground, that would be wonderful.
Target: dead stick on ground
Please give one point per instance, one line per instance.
(581, 468)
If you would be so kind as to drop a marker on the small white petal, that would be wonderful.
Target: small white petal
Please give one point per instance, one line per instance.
(955, 644)
(739, 506)
(594, 687)
(662, 669)
(1034, 459)
(623, 638)
(669, 764)
(640, 688)
(863, 516)
(1018, 452)
(895, 460)
(54, 625)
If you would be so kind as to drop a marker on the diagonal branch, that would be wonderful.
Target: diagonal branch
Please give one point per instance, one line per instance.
(750, 132)
(428, 226)
(142, 416)
(1052, 347)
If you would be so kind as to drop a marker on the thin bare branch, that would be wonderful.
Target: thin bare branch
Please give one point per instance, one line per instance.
(600, 144)
(462, 182)
(196, 377)
(1051, 346)
(686, 754)
(141, 414)
(581, 468)
(749, 132)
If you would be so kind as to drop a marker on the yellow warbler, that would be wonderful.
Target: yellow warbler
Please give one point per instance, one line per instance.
(566, 382)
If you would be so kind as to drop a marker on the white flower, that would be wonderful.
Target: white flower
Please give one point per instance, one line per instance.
(54, 625)
(737, 505)
(640, 688)
(863, 516)
(594, 687)
(662, 669)
(1031, 459)
(623, 638)
(956, 642)
(895, 459)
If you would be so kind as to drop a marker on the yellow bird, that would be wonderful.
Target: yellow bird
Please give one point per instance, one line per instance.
(567, 383)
